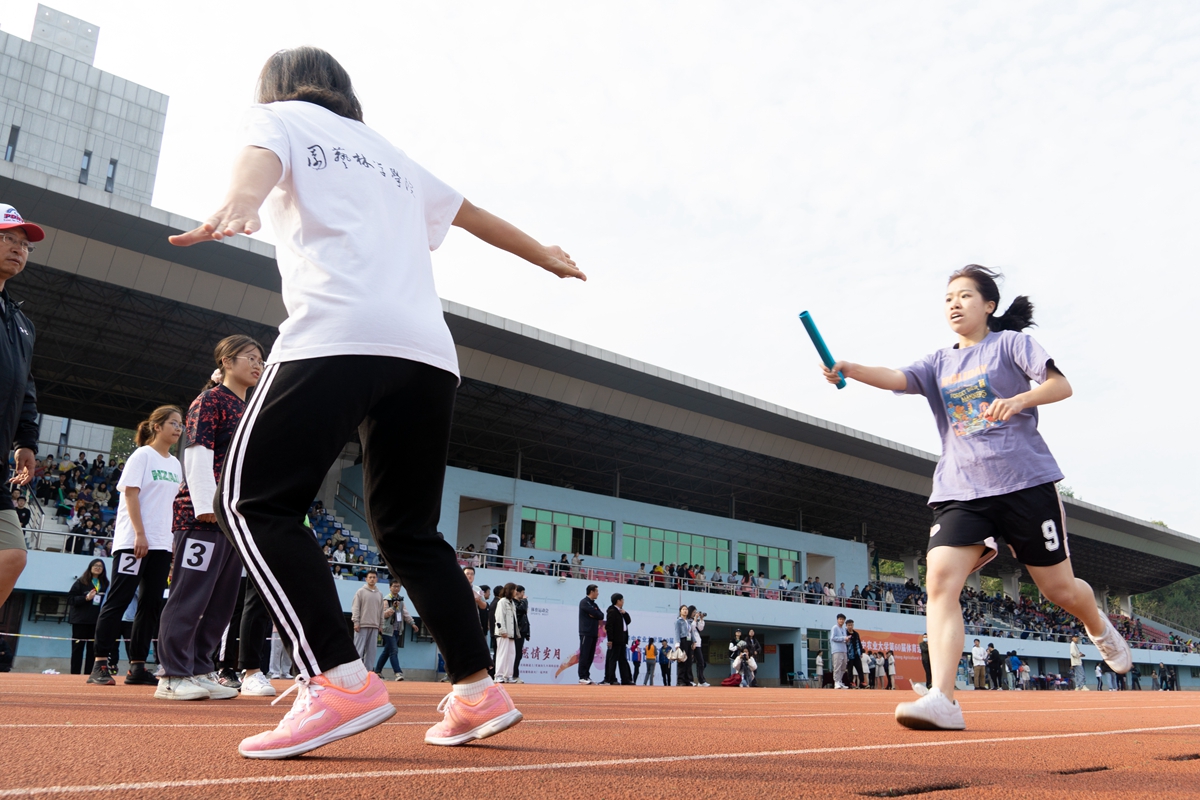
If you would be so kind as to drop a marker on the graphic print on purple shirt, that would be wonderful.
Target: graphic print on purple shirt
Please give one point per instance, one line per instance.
(212, 419)
(982, 458)
(968, 396)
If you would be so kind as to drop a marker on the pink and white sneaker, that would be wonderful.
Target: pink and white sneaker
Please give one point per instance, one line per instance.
(464, 721)
(322, 713)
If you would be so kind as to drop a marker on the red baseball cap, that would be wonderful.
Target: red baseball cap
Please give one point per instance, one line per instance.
(9, 218)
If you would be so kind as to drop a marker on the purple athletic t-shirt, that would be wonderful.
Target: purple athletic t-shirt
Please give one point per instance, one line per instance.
(981, 458)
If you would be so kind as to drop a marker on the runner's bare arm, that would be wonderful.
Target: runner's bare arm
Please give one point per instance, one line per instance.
(255, 173)
(488, 227)
(879, 377)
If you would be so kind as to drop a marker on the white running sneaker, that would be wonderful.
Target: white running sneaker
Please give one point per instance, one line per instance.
(399, 676)
(839, 686)
(176, 688)
(257, 685)
(933, 712)
(921, 689)
(1113, 647)
(216, 691)
(584, 682)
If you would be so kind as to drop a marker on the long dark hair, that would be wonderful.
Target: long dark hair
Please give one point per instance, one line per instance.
(1019, 315)
(86, 577)
(312, 75)
(231, 347)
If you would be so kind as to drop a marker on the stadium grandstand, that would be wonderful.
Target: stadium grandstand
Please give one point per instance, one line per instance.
(589, 466)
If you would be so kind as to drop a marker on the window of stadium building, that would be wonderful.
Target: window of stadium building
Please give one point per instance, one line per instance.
(774, 561)
(652, 545)
(566, 533)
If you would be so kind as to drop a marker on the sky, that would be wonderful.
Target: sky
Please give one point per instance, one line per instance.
(716, 168)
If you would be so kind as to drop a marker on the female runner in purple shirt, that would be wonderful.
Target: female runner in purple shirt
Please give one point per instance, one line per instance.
(996, 477)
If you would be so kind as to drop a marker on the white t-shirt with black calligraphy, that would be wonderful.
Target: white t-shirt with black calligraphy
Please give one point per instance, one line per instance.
(157, 480)
(356, 220)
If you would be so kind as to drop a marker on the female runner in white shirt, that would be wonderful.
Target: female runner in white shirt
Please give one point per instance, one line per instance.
(365, 348)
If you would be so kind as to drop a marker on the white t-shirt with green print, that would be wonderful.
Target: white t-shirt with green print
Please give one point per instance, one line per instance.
(157, 480)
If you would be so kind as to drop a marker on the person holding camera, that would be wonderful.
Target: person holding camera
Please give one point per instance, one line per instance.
(684, 651)
(745, 665)
(391, 628)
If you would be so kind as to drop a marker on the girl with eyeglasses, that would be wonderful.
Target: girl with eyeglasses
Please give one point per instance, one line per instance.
(141, 545)
(208, 571)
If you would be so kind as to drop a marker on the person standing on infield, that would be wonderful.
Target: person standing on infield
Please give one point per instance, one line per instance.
(391, 629)
(837, 646)
(589, 632)
(207, 574)
(996, 477)
(1078, 682)
(522, 603)
(141, 546)
(616, 628)
(924, 646)
(365, 348)
(366, 612)
(18, 414)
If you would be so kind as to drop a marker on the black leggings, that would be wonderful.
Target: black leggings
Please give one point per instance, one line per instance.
(292, 431)
(151, 578)
(83, 654)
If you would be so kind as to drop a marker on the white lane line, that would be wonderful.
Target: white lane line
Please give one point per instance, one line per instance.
(260, 723)
(34, 791)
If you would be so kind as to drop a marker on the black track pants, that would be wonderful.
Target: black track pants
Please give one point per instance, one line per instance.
(254, 636)
(129, 574)
(226, 656)
(204, 590)
(294, 427)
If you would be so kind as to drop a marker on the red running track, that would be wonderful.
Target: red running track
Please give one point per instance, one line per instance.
(62, 738)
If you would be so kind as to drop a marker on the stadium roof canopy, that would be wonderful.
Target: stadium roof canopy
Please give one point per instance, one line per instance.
(126, 322)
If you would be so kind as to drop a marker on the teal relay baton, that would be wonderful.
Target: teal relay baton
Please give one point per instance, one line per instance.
(819, 343)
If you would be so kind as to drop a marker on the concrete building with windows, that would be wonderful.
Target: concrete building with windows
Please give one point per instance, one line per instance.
(61, 116)
(559, 446)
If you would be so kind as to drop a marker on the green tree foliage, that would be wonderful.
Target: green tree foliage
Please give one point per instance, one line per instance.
(122, 444)
(1179, 602)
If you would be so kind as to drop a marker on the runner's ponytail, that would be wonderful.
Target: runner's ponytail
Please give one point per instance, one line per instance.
(1019, 315)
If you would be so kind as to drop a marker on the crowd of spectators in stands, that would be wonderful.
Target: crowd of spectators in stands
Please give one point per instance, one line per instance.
(1001, 615)
(77, 492)
(1133, 631)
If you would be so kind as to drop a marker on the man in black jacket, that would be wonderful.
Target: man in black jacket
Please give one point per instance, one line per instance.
(854, 654)
(616, 626)
(522, 604)
(995, 667)
(589, 631)
(925, 661)
(18, 401)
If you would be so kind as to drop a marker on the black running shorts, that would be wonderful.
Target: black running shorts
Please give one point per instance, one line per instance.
(1031, 522)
